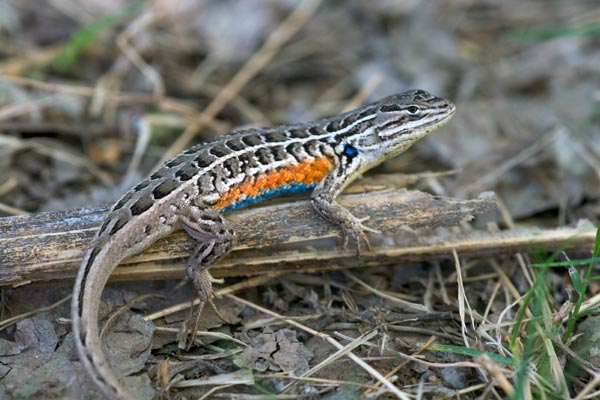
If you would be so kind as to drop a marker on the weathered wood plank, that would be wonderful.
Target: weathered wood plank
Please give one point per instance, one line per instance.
(48, 246)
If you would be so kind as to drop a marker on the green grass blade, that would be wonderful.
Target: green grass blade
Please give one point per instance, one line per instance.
(597, 242)
(575, 279)
(447, 348)
(87, 35)
(584, 261)
(540, 34)
(537, 293)
(589, 312)
(574, 316)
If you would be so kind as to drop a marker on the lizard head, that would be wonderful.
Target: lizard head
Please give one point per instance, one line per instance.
(393, 124)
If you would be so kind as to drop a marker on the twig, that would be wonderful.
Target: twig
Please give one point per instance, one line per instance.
(373, 372)
(255, 64)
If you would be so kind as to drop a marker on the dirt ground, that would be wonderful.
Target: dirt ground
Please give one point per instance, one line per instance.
(94, 94)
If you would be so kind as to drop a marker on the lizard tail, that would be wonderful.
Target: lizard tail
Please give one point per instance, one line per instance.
(91, 279)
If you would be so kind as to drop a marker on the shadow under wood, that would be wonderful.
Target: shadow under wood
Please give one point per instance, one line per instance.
(49, 246)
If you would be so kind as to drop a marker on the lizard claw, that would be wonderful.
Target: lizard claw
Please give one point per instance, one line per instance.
(185, 342)
(356, 231)
(206, 294)
(366, 228)
(203, 281)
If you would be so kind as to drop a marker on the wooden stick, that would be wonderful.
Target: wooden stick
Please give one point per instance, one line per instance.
(49, 246)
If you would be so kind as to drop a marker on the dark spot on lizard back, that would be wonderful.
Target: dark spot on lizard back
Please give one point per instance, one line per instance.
(141, 185)
(248, 160)
(279, 154)
(119, 224)
(103, 227)
(175, 162)
(235, 144)
(191, 150)
(349, 120)
(300, 133)
(159, 174)
(203, 160)
(264, 156)
(218, 150)
(232, 166)
(123, 200)
(313, 148)
(185, 173)
(142, 204)
(275, 136)
(294, 149)
(252, 140)
(165, 188)
(365, 113)
(332, 126)
(315, 130)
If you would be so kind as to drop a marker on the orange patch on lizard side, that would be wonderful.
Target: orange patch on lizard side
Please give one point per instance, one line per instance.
(307, 173)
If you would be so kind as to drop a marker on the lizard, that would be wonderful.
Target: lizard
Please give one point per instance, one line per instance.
(196, 189)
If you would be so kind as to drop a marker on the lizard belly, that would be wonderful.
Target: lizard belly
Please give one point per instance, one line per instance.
(294, 178)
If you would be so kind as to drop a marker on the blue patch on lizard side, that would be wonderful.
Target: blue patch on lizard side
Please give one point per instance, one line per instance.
(268, 194)
(350, 151)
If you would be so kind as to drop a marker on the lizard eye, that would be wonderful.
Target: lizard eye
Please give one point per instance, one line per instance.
(412, 110)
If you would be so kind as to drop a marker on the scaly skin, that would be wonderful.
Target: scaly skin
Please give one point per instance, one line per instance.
(193, 190)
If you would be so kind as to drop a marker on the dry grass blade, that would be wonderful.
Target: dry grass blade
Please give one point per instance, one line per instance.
(216, 335)
(406, 305)
(250, 282)
(499, 375)
(241, 377)
(465, 364)
(123, 41)
(257, 62)
(402, 364)
(374, 373)
(10, 210)
(585, 392)
(318, 380)
(462, 300)
(113, 317)
(359, 341)
(364, 92)
(13, 320)
(15, 110)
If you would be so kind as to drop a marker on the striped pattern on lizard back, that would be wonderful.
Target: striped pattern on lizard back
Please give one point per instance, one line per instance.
(241, 169)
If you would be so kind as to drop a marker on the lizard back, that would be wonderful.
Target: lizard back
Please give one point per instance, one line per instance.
(242, 168)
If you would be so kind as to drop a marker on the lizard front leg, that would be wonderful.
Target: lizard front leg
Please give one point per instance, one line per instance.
(323, 197)
(216, 238)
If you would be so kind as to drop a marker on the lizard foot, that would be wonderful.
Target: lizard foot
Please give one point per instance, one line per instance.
(203, 282)
(355, 230)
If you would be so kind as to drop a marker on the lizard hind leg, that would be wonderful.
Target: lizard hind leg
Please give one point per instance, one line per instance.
(216, 238)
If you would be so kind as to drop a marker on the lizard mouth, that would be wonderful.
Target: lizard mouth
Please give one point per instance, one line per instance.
(447, 115)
